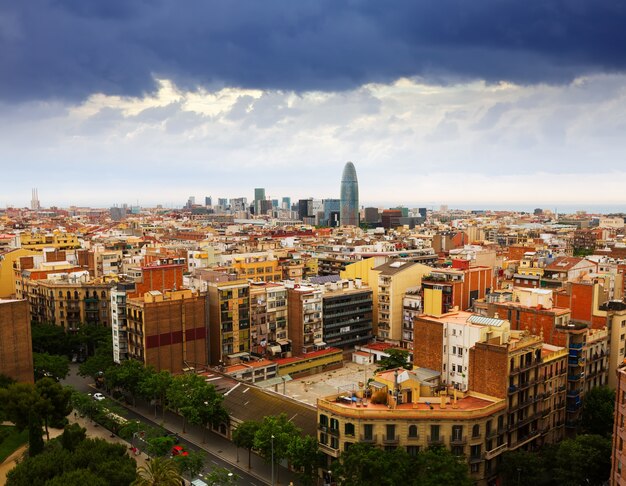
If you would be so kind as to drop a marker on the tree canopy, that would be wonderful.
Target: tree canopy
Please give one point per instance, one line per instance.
(598, 408)
(398, 358)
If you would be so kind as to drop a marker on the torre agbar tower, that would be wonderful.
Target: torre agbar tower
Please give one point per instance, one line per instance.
(349, 205)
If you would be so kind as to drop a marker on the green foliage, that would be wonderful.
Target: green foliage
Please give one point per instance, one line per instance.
(127, 376)
(243, 436)
(282, 430)
(220, 476)
(530, 463)
(35, 436)
(305, 457)
(587, 457)
(72, 436)
(154, 386)
(398, 358)
(191, 464)
(93, 337)
(45, 364)
(160, 446)
(10, 440)
(196, 400)
(5, 381)
(598, 409)
(86, 405)
(57, 404)
(19, 401)
(363, 464)
(159, 471)
(51, 339)
(79, 477)
(100, 362)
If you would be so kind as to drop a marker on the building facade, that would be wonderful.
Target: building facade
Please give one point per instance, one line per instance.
(349, 201)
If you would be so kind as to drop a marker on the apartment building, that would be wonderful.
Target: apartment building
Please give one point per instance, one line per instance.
(261, 268)
(305, 319)
(410, 410)
(412, 306)
(347, 316)
(168, 330)
(618, 456)
(392, 280)
(119, 319)
(229, 320)
(268, 319)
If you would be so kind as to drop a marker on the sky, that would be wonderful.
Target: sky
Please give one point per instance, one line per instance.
(484, 103)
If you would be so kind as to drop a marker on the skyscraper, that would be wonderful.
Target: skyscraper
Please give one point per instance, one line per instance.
(259, 195)
(34, 202)
(349, 205)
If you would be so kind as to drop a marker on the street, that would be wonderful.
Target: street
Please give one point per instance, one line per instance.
(213, 448)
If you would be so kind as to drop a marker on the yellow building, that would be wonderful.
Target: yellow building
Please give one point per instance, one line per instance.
(229, 320)
(56, 239)
(409, 409)
(360, 270)
(257, 268)
(7, 260)
(390, 282)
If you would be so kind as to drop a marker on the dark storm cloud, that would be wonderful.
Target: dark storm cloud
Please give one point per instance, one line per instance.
(71, 49)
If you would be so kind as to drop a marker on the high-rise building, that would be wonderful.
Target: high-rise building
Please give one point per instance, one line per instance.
(34, 202)
(349, 205)
(286, 203)
(208, 201)
(259, 195)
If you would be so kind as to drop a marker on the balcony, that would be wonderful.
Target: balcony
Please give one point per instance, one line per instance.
(457, 440)
(391, 439)
(434, 441)
(368, 439)
(329, 450)
(494, 452)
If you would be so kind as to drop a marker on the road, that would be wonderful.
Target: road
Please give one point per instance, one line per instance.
(213, 459)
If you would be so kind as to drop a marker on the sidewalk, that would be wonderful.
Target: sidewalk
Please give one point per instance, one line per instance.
(217, 445)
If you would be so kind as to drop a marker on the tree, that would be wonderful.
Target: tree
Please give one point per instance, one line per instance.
(58, 402)
(196, 401)
(598, 409)
(19, 401)
(191, 463)
(583, 460)
(220, 476)
(363, 464)
(35, 435)
(127, 376)
(516, 464)
(101, 361)
(78, 477)
(50, 365)
(274, 436)
(160, 446)
(86, 405)
(154, 386)
(108, 462)
(72, 436)
(243, 436)
(306, 457)
(438, 466)
(92, 337)
(5, 380)
(398, 358)
(158, 472)
(51, 339)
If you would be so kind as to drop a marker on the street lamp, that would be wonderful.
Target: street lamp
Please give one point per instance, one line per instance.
(272, 441)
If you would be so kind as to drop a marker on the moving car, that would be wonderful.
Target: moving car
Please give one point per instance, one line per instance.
(98, 396)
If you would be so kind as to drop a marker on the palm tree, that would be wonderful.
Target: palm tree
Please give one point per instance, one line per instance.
(159, 471)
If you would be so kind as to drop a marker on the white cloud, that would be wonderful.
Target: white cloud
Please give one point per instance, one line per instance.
(411, 143)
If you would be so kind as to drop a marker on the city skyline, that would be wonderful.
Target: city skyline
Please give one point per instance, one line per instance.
(493, 110)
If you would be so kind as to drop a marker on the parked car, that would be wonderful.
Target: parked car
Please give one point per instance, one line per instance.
(179, 450)
(98, 396)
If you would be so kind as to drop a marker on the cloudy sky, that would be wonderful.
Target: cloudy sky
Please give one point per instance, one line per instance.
(489, 102)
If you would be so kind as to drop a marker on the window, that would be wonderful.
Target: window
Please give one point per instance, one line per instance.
(413, 430)
(391, 432)
(334, 442)
(460, 352)
(334, 424)
(457, 450)
(413, 450)
(475, 468)
(475, 451)
(434, 432)
(323, 438)
(368, 431)
(323, 421)
(457, 432)
(476, 431)
(453, 349)
(349, 429)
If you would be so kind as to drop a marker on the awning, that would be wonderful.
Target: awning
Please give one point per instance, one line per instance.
(283, 342)
(275, 349)
(320, 343)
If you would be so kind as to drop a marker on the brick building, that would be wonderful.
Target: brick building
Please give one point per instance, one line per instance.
(16, 355)
(168, 330)
(305, 319)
